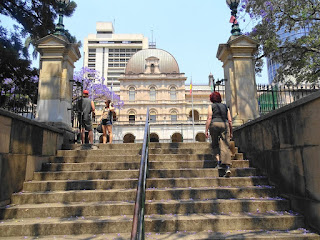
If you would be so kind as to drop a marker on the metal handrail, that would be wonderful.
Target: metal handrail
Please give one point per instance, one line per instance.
(137, 232)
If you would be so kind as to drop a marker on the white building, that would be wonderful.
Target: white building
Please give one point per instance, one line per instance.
(109, 53)
(153, 80)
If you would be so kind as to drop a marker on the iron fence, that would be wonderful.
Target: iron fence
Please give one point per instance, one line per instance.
(20, 98)
(271, 97)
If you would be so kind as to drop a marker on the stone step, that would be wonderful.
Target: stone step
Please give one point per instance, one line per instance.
(153, 223)
(116, 152)
(125, 174)
(99, 195)
(136, 158)
(296, 234)
(188, 157)
(58, 185)
(113, 208)
(135, 165)
(120, 146)
(131, 146)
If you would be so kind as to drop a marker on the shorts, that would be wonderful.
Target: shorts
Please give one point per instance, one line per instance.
(106, 122)
(86, 124)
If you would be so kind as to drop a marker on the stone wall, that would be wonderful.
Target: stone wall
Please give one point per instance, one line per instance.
(285, 145)
(24, 145)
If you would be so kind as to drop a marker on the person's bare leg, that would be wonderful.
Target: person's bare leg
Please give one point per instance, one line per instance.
(82, 135)
(104, 136)
(109, 127)
(90, 137)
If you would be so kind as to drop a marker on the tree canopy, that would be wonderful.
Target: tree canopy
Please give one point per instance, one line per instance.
(92, 81)
(288, 32)
(35, 19)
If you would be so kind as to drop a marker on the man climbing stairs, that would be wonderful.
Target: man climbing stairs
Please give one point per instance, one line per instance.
(90, 194)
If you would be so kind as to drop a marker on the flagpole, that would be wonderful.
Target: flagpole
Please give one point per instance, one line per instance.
(112, 91)
(192, 110)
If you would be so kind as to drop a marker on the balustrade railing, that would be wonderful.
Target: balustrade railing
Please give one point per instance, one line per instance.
(19, 98)
(271, 97)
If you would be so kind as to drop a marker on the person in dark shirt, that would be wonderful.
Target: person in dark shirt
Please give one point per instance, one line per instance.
(87, 109)
(219, 123)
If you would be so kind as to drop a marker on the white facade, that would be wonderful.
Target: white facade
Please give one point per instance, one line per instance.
(109, 53)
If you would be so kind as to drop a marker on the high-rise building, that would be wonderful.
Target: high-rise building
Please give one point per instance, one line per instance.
(284, 35)
(108, 53)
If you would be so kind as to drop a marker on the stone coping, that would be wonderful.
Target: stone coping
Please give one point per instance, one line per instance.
(29, 121)
(295, 104)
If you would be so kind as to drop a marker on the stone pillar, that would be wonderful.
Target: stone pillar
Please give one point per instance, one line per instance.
(241, 90)
(57, 58)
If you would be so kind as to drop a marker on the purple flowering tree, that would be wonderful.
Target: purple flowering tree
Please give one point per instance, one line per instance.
(92, 81)
(288, 32)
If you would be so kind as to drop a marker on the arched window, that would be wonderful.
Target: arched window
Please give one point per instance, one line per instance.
(129, 138)
(195, 115)
(201, 137)
(176, 137)
(174, 116)
(153, 116)
(154, 137)
(173, 93)
(152, 94)
(132, 94)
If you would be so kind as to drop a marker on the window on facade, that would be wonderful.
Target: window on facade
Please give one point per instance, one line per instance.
(152, 94)
(153, 116)
(173, 93)
(174, 116)
(152, 68)
(132, 118)
(92, 50)
(132, 93)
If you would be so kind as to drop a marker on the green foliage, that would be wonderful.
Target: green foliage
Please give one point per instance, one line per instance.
(299, 52)
(35, 19)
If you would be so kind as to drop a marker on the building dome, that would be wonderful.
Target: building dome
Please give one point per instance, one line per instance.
(166, 62)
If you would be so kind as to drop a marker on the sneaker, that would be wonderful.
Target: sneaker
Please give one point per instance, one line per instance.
(228, 172)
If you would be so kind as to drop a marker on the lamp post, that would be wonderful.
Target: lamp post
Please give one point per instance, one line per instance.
(62, 4)
(233, 5)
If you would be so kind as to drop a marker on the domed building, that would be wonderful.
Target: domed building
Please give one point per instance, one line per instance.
(153, 80)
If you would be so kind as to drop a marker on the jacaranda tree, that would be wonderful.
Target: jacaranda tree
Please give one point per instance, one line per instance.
(297, 50)
(92, 81)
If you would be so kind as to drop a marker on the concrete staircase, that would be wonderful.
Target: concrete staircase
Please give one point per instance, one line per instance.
(90, 193)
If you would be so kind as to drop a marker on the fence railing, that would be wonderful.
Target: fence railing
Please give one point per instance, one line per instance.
(271, 97)
(20, 98)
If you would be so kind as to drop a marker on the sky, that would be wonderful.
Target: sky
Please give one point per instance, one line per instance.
(190, 30)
